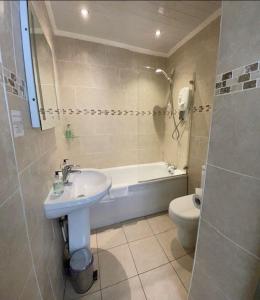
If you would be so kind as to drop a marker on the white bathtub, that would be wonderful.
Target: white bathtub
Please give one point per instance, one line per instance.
(138, 190)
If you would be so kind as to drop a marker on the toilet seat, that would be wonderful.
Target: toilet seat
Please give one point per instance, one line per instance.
(183, 208)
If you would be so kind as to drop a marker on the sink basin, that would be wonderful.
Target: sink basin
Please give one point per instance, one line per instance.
(87, 187)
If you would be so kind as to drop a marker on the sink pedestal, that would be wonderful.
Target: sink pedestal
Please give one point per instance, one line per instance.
(79, 229)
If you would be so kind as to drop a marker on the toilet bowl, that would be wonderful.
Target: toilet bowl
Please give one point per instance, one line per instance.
(185, 215)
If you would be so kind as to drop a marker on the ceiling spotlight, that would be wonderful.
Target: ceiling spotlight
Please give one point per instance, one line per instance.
(84, 12)
(157, 33)
(161, 10)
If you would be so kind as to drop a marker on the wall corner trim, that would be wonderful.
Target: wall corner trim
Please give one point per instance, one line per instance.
(188, 37)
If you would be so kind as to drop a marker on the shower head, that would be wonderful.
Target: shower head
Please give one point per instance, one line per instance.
(164, 73)
(158, 71)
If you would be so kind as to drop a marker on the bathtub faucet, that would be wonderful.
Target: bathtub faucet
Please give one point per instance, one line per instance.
(171, 168)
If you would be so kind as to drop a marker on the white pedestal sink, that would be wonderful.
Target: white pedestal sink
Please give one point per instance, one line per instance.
(87, 187)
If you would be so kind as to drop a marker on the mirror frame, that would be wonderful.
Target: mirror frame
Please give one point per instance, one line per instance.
(34, 96)
(29, 71)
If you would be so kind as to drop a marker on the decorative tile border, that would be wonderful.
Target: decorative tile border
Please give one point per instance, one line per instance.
(17, 87)
(238, 80)
(118, 112)
(105, 112)
(201, 108)
(14, 84)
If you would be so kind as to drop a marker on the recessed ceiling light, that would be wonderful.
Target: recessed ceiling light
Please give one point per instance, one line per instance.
(161, 10)
(84, 12)
(157, 33)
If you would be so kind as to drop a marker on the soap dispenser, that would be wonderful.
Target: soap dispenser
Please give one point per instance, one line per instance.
(58, 186)
(68, 132)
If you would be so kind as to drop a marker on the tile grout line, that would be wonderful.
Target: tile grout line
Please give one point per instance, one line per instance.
(135, 264)
(9, 197)
(170, 262)
(233, 172)
(128, 244)
(98, 268)
(20, 190)
(231, 241)
(182, 283)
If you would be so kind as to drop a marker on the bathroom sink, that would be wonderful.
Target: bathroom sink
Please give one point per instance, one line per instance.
(86, 187)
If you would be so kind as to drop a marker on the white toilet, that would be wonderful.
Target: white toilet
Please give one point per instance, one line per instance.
(185, 215)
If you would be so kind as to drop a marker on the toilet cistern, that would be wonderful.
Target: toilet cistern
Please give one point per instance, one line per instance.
(86, 188)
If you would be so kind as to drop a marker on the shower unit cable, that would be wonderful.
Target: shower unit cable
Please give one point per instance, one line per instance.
(176, 129)
(170, 101)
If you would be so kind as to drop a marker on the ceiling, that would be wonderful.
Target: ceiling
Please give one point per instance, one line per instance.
(132, 24)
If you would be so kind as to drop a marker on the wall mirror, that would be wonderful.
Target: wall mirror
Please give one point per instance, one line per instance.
(39, 69)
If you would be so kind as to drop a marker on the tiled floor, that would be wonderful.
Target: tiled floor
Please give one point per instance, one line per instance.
(138, 260)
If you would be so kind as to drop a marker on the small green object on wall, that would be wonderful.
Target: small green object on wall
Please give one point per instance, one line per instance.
(68, 132)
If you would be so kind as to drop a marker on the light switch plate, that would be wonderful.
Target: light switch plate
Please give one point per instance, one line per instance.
(17, 122)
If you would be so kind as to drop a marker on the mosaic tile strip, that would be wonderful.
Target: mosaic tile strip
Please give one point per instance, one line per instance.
(118, 112)
(17, 87)
(14, 84)
(104, 112)
(238, 80)
(202, 108)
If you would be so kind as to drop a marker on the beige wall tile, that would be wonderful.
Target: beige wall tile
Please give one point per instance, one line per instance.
(102, 78)
(233, 198)
(17, 38)
(204, 286)
(6, 35)
(16, 260)
(8, 178)
(35, 173)
(234, 142)
(30, 290)
(235, 272)
(191, 58)
(33, 144)
(245, 41)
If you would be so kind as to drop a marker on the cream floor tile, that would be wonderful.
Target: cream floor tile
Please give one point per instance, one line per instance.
(70, 294)
(137, 229)
(110, 237)
(130, 289)
(116, 265)
(147, 254)
(163, 283)
(160, 222)
(183, 267)
(95, 296)
(171, 245)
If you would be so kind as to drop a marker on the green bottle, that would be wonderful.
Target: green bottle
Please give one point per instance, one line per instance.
(68, 132)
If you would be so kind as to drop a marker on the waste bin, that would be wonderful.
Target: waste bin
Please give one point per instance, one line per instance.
(81, 270)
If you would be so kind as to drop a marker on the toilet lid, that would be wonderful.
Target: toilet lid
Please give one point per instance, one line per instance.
(183, 207)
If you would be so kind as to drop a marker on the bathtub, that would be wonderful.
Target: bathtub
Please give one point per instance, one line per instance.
(137, 190)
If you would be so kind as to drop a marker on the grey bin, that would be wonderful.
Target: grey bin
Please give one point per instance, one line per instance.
(81, 270)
